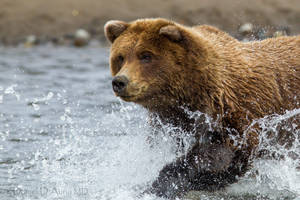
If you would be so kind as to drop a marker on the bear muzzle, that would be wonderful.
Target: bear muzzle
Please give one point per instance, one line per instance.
(119, 84)
(131, 90)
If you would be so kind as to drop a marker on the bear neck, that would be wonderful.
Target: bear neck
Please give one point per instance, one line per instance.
(174, 115)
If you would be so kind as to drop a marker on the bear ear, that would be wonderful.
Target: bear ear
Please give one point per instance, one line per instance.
(172, 32)
(114, 29)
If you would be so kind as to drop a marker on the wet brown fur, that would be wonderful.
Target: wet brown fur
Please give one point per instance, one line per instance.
(209, 71)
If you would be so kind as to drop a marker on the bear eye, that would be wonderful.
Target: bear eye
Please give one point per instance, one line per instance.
(120, 60)
(117, 63)
(145, 57)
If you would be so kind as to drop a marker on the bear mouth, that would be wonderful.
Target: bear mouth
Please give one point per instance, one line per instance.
(126, 97)
(132, 94)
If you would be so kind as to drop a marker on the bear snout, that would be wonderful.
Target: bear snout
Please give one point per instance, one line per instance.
(119, 84)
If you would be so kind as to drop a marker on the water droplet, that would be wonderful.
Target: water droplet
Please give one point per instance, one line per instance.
(62, 118)
(65, 101)
(35, 106)
(50, 95)
(68, 110)
(10, 89)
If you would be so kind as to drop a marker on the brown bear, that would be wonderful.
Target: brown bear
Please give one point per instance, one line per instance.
(167, 68)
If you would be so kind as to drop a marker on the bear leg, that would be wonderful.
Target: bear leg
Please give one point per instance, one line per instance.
(205, 167)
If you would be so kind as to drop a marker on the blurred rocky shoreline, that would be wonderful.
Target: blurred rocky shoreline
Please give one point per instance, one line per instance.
(76, 22)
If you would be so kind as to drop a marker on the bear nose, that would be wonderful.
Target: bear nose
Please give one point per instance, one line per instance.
(119, 83)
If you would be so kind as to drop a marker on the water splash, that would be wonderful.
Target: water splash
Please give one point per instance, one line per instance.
(278, 170)
(109, 161)
(116, 162)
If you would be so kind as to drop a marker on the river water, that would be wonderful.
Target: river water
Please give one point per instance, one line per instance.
(64, 135)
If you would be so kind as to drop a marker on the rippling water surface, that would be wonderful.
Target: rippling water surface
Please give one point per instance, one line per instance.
(64, 135)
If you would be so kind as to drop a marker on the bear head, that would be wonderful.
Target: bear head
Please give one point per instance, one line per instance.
(158, 63)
